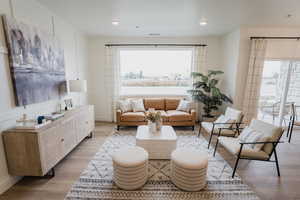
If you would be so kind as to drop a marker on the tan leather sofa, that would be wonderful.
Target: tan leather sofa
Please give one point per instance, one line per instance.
(167, 107)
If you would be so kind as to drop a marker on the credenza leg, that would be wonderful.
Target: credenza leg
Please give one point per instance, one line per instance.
(50, 174)
(90, 135)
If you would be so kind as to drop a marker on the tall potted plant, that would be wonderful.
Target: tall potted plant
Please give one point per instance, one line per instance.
(205, 90)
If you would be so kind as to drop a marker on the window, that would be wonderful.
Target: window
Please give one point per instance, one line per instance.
(155, 71)
(279, 88)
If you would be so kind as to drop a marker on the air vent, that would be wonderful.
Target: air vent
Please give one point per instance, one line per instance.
(154, 34)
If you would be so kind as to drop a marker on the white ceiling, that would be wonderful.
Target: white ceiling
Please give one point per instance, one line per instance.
(173, 17)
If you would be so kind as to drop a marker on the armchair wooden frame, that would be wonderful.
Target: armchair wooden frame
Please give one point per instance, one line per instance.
(239, 156)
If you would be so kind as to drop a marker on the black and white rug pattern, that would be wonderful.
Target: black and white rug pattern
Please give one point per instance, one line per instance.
(95, 182)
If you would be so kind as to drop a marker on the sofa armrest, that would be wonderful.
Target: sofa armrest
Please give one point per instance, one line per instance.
(193, 113)
(119, 113)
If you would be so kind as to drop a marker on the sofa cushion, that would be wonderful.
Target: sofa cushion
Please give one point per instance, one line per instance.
(156, 103)
(172, 103)
(133, 117)
(176, 116)
(163, 113)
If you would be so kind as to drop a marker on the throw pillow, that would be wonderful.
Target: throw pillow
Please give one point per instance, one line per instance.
(125, 105)
(138, 105)
(184, 106)
(251, 135)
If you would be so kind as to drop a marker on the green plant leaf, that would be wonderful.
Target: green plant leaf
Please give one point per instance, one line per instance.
(196, 74)
(204, 79)
(214, 72)
(213, 82)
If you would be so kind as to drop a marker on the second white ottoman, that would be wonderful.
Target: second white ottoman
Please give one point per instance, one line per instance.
(130, 167)
(188, 169)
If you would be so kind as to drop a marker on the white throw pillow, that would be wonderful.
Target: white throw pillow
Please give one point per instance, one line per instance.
(251, 135)
(138, 105)
(125, 105)
(184, 106)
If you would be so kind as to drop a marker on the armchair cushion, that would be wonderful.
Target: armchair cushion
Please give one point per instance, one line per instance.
(223, 119)
(175, 116)
(233, 146)
(133, 117)
(233, 114)
(272, 132)
(208, 128)
(250, 135)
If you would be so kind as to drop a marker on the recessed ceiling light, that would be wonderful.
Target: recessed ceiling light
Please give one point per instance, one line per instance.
(203, 22)
(115, 23)
(154, 34)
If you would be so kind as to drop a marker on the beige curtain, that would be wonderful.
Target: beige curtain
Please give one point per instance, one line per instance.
(252, 92)
(112, 80)
(199, 65)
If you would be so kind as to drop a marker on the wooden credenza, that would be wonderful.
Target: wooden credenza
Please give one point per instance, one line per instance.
(36, 152)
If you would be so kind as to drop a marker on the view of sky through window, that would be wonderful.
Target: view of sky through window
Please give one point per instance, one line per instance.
(144, 70)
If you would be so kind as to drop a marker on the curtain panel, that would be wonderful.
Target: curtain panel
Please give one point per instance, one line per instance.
(253, 84)
(199, 65)
(112, 80)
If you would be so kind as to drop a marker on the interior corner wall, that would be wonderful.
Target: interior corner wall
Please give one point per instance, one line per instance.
(75, 49)
(230, 60)
(96, 88)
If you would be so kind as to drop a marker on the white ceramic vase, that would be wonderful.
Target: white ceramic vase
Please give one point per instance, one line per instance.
(152, 126)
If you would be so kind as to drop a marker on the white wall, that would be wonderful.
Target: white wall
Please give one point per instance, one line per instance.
(33, 13)
(97, 90)
(230, 59)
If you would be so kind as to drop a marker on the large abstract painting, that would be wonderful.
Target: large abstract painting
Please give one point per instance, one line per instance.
(36, 63)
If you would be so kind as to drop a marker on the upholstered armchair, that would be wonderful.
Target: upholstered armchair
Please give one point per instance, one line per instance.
(229, 127)
(243, 150)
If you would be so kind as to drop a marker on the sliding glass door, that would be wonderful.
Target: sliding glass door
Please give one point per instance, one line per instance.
(280, 87)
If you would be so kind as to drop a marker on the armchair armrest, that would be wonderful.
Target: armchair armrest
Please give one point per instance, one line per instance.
(119, 113)
(224, 123)
(267, 142)
(193, 113)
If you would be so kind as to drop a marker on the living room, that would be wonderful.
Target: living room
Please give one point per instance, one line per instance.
(149, 99)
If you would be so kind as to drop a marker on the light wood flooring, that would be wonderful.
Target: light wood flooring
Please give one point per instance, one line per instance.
(260, 176)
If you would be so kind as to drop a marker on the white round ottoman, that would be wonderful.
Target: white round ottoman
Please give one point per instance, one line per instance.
(130, 167)
(188, 169)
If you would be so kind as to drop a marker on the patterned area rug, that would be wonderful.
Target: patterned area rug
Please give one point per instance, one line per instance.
(96, 180)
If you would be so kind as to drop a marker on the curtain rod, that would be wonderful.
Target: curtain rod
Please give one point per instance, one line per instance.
(181, 45)
(275, 38)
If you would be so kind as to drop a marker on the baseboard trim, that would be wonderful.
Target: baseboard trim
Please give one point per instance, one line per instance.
(8, 182)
